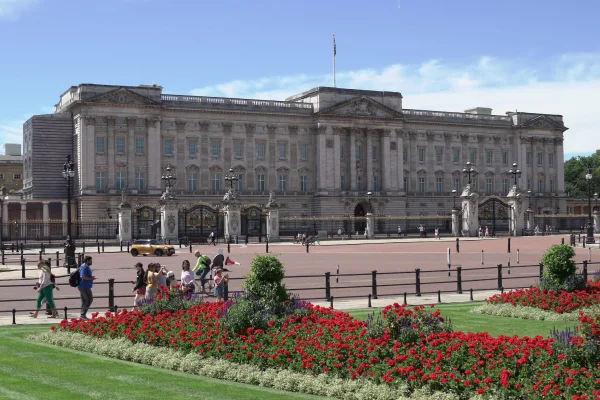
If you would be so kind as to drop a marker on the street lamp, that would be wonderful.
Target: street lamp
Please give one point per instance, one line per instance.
(231, 178)
(69, 173)
(454, 196)
(529, 196)
(468, 170)
(590, 228)
(369, 195)
(515, 172)
(169, 179)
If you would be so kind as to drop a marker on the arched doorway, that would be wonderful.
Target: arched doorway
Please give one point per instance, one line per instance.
(360, 224)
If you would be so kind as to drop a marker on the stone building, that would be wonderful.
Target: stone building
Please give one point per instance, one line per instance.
(320, 151)
(11, 168)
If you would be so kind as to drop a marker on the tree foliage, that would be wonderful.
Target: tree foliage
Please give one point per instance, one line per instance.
(575, 170)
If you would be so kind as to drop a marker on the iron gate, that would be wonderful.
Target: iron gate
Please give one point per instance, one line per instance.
(146, 224)
(199, 221)
(494, 214)
(254, 222)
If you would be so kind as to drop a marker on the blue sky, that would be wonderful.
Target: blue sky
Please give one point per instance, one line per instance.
(536, 56)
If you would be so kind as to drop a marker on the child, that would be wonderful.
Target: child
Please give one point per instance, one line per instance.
(140, 284)
(220, 281)
(187, 277)
(171, 281)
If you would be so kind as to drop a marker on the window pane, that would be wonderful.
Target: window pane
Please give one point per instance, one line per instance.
(192, 147)
(100, 144)
(260, 150)
(168, 147)
(139, 145)
(120, 145)
(215, 148)
(238, 149)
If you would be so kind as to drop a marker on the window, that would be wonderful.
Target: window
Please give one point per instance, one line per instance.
(540, 185)
(421, 153)
(540, 158)
(100, 180)
(489, 183)
(120, 145)
(192, 181)
(215, 149)
(528, 158)
(216, 180)
(282, 150)
(342, 182)
(303, 151)
(405, 183)
(100, 144)
(422, 184)
(456, 156)
(341, 152)
(551, 159)
(139, 181)
(304, 183)
(404, 155)
(374, 157)
(439, 184)
(240, 182)
(168, 147)
(505, 157)
(260, 150)
(238, 149)
(473, 157)
(192, 148)
(505, 185)
(551, 185)
(282, 183)
(1, 176)
(358, 151)
(358, 183)
(457, 185)
(120, 179)
(438, 154)
(375, 184)
(261, 183)
(489, 156)
(139, 146)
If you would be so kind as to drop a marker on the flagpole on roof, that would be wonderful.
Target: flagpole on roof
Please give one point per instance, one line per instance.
(334, 52)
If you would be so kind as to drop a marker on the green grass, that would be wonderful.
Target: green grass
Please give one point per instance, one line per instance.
(30, 370)
(465, 321)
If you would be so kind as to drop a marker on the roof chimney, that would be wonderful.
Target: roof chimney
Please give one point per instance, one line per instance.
(479, 111)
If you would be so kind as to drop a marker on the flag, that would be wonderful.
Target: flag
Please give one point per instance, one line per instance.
(229, 261)
(334, 47)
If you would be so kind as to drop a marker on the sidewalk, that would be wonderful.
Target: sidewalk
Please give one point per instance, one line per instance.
(342, 304)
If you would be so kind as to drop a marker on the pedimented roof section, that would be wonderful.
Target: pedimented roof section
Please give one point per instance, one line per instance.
(543, 122)
(122, 96)
(362, 107)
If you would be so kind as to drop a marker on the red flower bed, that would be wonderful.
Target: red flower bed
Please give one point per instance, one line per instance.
(325, 341)
(559, 302)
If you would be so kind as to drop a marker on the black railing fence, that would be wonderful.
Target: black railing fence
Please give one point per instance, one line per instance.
(57, 231)
(550, 224)
(373, 285)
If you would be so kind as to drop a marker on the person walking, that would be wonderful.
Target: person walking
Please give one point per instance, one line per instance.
(218, 260)
(187, 278)
(140, 284)
(202, 268)
(85, 286)
(212, 238)
(436, 233)
(44, 290)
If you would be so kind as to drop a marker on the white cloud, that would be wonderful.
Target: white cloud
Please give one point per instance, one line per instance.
(11, 132)
(568, 85)
(12, 8)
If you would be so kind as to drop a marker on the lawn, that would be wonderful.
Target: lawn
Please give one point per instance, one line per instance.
(36, 371)
(465, 321)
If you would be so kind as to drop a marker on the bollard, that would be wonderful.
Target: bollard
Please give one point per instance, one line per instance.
(584, 240)
(23, 268)
(589, 254)
(418, 282)
(499, 276)
(562, 241)
(3, 259)
(225, 291)
(449, 261)
(517, 256)
(502, 289)
(307, 246)
(457, 246)
(49, 261)
(127, 247)
(509, 245)
(246, 239)
(111, 294)
(98, 246)
(471, 294)
(405, 298)
(541, 270)
(374, 284)
(83, 247)
(337, 274)
(190, 247)
(229, 247)
(327, 286)
(103, 246)
(236, 239)
(121, 246)
(585, 271)
(21, 248)
(179, 243)
(267, 245)
(116, 308)
(481, 257)
(331, 302)
(439, 296)
(43, 249)
(369, 303)
(459, 280)
(14, 312)
(79, 259)
(57, 258)
(66, 313)
(509, 265)
(40, 254)
(12, 247)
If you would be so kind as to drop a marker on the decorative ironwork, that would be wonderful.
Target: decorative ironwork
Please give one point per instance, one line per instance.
(495, 214)
(254, 222)
(146, 223)
(199, 221)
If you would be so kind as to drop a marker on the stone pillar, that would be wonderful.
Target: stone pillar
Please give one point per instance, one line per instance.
(169, 220)
(23, 218)
(470, 210)
(369, 154)
(353, 132)
(111, 150)
(322, 161)
(337, 184)
(273, 223)
(559, 159)
(233, 220)
(5, 220)
(400, 135)
(385, 161)
(517, 211)
(130, 153)
(64, 217)
(87, 160)
(153, 153)
(529, 219)
(46, 218)
(455, 223)
(370, 225)
(125, 234)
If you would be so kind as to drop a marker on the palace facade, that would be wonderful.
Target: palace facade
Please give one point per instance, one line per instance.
(320, 151)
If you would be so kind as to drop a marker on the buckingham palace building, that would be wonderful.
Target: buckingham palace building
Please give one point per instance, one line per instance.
(319, 151)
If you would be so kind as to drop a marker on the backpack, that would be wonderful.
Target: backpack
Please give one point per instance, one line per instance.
(74, 278)
(205, 261)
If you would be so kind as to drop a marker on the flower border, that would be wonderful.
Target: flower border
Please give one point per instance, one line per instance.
(531, 313)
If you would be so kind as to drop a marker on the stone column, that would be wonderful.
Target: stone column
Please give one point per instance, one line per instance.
(130, 153)
(322, 157)
(169, 220)
(153, 155)
(111, 150)
(46, 218)
(23, 218)
(400, 153)
(233, 220)
(250, 183)
(273, 223)
(336, 159)
(353, 132)
(369, 154)
(517, 211)
(455, 223)
(87, 160)
(125, 233)
(470, 210)
(385, 160)
(5, 220)
(370, 225)
(64, 217)
(559, 159)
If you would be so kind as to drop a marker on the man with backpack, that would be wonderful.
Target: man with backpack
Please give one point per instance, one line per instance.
(202, 268)
(85, 286)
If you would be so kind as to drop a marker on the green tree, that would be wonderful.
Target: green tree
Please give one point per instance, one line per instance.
(575, 170)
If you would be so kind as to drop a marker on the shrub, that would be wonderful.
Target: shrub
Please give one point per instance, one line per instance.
(559, 269)
(264, 279)
(169, 299)
(408, 325)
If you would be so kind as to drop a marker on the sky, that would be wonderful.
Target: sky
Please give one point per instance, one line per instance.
(533, 56)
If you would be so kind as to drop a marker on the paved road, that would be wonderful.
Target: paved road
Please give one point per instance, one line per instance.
(395, 263)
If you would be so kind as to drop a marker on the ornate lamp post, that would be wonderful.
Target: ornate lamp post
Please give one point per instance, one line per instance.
(169, 179)
(69, 173)
(369, 195)
(515, 172)
(468, 171)
(454, 197)
(590, 228)
(231, 177)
